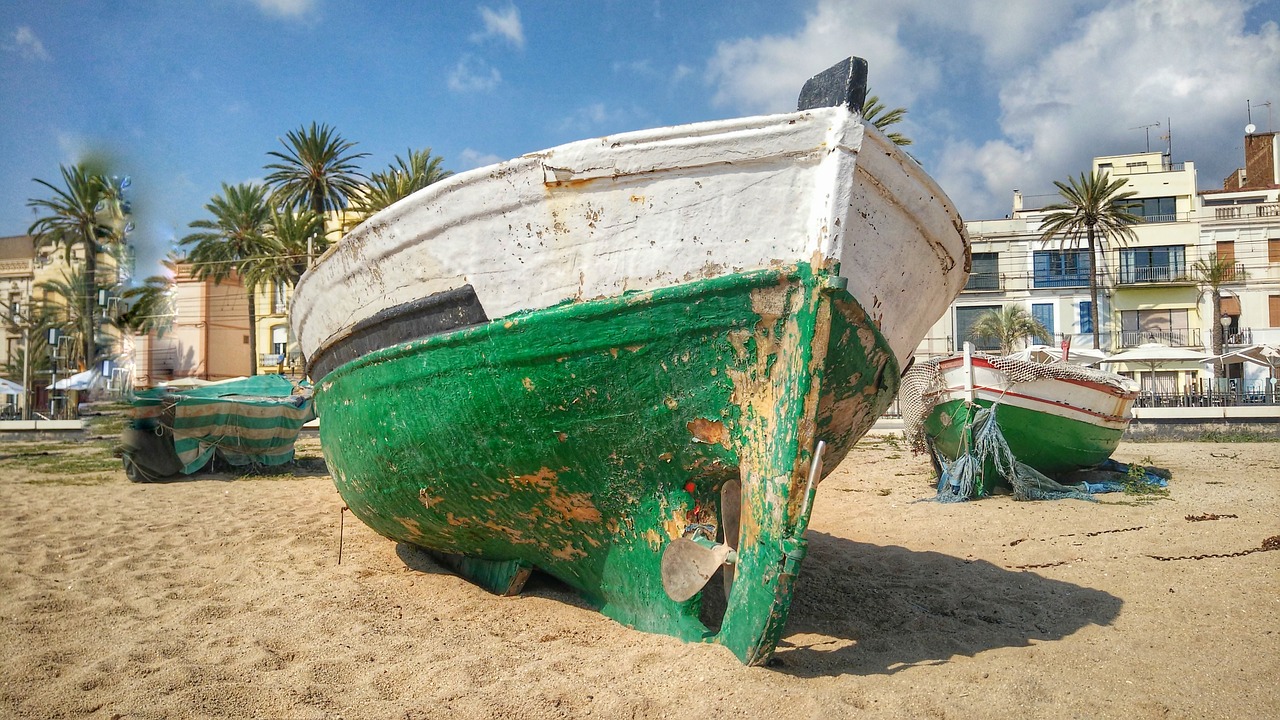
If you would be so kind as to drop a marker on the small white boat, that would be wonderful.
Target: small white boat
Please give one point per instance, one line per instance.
(1055, 417)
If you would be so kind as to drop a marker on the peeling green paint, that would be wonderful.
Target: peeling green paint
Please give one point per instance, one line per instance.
(583, 438)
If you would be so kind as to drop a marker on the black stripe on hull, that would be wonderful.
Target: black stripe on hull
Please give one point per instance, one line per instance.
(441, 312)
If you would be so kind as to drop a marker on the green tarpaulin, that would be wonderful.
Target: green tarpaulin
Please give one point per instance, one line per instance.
(251, 420)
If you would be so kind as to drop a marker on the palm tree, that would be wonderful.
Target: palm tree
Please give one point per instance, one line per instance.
(300, 238)
(150, 306)
(1008, 325)
(88, 211)
(1094, 208)
(68, 314)
(1211, 273)
(401, 179)
(316, 171)
(874, 112)
(235, 240)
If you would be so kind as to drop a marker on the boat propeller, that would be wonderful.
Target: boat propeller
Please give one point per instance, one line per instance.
(691, 560)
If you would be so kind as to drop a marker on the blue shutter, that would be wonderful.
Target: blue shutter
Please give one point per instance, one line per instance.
(1041, 269)
(1044, 313)
(1086, 316)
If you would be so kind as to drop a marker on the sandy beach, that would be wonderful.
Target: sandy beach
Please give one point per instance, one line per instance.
(222, 597)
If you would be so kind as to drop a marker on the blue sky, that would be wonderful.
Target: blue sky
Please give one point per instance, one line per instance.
(186, 95)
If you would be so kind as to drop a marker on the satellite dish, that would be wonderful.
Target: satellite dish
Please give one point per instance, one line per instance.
(1248, 129)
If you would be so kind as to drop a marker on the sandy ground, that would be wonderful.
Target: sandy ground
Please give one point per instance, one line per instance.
(223, 597)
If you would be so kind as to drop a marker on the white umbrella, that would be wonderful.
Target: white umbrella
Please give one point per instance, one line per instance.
(1049, 354)
(8, 387)
(1267, 356)
(1154, 355)
(1264, 355)
(79, 381)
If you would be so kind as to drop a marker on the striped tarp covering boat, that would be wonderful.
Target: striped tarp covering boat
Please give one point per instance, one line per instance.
(246, 421)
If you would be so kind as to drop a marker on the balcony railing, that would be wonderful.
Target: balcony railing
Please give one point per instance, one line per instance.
(1041, 280)
(1162, 218)
(1152, 274)
(1173, 338)
(1237, 212)
(1145, 168)
(979, 282)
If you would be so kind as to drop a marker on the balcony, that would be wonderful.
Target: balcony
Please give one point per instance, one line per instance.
(1240, 212)
(985, 282)
(1145, 169)
(1149, 274)
(1173, 338)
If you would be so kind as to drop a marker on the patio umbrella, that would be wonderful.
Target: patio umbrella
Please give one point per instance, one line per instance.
(1050, 354)
(79, 381)
(1155, 355)
(8, 387)
(1267, 356)
(1264, 355)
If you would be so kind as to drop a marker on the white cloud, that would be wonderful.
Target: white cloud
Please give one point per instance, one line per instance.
(24, 42)
(1130, 64)
(286, 8)
(470, 158)
(592, 119)
(472, 74)
(1016, 95)
(504, 24)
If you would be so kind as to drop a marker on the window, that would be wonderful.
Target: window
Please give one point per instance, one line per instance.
(1226, 250)
(1060, 268)
(1273, 250)
(1043, 312)
(965, 318)
(1273, 310)
(1086, 316)
(279, 340)
(1153, 264)
(1167, 327)
(984, 274)
(1159, 209)
(278, 296)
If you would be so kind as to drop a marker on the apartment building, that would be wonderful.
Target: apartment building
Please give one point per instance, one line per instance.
(1148, 291)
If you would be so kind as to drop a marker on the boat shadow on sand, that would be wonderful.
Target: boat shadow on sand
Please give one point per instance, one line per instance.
(870, 609)
(865, 609)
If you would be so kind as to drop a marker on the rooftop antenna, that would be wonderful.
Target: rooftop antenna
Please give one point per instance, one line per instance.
(1147, 129)
(1168, 138)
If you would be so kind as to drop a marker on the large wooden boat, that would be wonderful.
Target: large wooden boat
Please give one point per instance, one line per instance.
(1054, 417)
(615, 360)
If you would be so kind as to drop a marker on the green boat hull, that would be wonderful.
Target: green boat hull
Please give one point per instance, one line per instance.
(1049, 443)
(583, 439)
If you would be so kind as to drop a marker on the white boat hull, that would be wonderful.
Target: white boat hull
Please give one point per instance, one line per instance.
(645, 210)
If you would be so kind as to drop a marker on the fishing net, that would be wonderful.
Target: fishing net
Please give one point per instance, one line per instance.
(958, 480)
(923, 388)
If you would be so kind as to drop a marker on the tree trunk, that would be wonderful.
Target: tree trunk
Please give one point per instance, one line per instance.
(253, 334)
(1094, 265)
(1219, 332)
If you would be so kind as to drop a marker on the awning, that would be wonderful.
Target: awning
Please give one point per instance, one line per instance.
(1230, 305)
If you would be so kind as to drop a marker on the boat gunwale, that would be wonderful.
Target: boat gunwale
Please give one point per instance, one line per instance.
(996, 395)
(592, 307)
(1126, 393)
